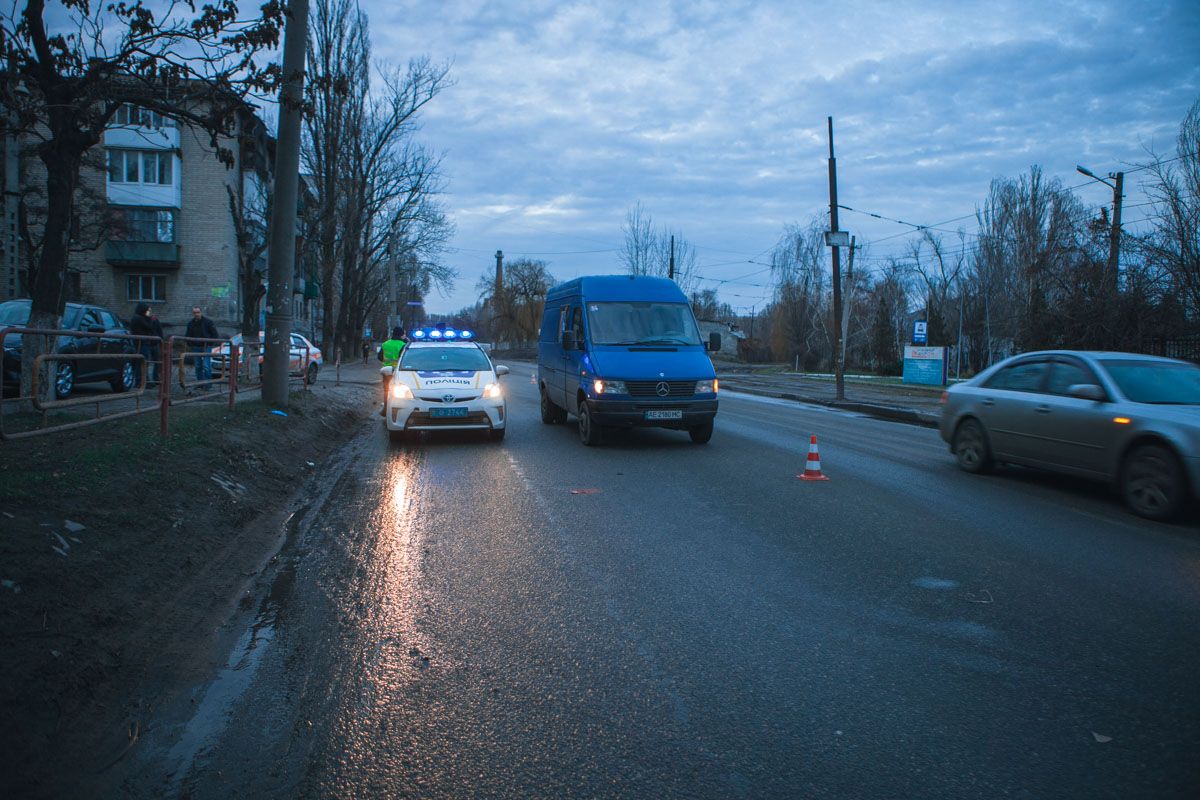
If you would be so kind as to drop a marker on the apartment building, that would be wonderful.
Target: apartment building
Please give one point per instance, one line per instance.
(158, 220)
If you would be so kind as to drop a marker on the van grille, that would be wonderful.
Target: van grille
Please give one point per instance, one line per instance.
(650, 388)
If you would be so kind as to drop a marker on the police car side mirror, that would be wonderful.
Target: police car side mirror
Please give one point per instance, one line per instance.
(501, 370)
(385, 370)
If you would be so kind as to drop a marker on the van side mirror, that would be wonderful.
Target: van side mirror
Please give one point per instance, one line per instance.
(568, 340)
(714, 341)
(1087, 391)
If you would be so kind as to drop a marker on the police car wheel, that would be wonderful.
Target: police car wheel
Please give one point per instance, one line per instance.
(497, 434)
(397, 436)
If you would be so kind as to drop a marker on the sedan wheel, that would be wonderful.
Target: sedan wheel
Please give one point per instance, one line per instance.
(971, 447)
(64, 382)
(125, 380)
(589, 431)
(1152, 483)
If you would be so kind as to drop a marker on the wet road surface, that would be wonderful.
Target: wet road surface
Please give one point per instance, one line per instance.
(456, 618)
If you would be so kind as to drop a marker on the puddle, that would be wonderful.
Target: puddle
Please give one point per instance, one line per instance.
(935, 583)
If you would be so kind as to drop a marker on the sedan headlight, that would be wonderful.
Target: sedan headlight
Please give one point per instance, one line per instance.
(401, 391)
(491, 391)
(706, 387)
(608, 387)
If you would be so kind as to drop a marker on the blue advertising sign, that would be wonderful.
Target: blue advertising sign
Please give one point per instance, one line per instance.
(925, 365)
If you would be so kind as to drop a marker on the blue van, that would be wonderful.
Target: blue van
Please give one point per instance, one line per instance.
(625, 351)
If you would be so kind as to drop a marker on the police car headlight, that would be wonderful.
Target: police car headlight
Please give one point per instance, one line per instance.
(706, 387)
(608, 387)
(401, 391)
(491, 391)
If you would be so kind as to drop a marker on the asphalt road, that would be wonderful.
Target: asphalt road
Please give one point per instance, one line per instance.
(657, 619)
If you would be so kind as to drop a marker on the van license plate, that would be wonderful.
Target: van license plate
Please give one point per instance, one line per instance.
(666, 414)
(447, 412)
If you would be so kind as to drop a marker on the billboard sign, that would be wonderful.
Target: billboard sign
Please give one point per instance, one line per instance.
(925, 365)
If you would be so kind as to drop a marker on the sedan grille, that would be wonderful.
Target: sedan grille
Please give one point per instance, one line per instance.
(651, 388)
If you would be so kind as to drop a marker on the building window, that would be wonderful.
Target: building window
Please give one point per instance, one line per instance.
(147, 288)
(130, 114)
(141, 224)
(141, 166)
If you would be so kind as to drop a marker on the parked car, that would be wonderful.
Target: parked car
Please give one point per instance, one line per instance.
(118, 371)
(1131, 420)
(305, 356)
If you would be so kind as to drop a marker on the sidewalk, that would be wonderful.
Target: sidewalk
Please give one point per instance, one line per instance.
(904, 403)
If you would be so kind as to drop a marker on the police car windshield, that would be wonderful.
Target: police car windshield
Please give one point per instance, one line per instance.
(642, 323)
(459, 359)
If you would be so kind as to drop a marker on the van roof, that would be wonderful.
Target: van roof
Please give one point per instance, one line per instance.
(620, 287)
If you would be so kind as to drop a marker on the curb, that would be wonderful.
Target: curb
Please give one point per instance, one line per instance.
(893, 413)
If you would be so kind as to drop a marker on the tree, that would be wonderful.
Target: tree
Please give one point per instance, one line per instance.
(63, 89)
(648, 250)
(517, 313)
(1173, 247)
(799, 309)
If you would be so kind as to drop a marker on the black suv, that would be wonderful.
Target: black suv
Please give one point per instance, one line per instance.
(118, 372)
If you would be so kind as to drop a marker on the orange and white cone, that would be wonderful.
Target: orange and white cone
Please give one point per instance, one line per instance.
(812, 469)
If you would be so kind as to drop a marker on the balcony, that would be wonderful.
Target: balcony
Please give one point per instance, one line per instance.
(160, 255)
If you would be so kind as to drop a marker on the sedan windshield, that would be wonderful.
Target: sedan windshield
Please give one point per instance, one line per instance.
(1160, 382)
(642, 323)
(451, 359)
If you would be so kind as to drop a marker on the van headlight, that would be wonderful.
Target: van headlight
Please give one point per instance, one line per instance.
(491, 391)
(608, 387)
(706, 387)
(401, 391)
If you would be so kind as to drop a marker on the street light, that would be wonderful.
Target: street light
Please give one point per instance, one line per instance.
(1114, 235)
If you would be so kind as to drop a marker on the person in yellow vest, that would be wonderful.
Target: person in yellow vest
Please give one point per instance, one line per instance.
(389, 354)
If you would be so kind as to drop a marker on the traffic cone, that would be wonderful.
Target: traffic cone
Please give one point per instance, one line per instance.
(812, 469)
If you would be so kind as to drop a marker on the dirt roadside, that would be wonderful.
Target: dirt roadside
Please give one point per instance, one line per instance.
(120, 554)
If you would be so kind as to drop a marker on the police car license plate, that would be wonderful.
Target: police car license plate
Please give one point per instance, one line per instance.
(673, 413)
(447, 412)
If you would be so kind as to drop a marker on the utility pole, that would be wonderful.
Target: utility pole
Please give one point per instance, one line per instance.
(1114, 234)
(497, 296)
(1114, 237)
(281, 260)
(838, 367)
(671, 263)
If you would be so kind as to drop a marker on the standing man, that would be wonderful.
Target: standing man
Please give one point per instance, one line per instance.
(389, 354)
(201, 327)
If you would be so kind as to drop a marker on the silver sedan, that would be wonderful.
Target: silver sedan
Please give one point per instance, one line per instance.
(1131, 420)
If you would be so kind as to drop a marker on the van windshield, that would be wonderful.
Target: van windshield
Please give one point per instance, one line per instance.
(627, 323)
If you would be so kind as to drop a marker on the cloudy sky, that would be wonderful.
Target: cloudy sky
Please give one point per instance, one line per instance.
(712, 115)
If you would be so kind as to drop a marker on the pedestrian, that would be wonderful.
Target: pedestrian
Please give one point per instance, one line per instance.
(143, 324)
(389, 354)
(201, 327)
(366, 350)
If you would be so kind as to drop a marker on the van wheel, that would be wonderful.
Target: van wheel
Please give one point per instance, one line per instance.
(701, 433)
(589, 432)
(552, 414)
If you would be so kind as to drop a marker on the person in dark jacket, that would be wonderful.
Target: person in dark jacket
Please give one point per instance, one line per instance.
(201, 327)
(143, 324)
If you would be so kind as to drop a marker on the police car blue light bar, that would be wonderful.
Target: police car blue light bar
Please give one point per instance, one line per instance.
(439, 333)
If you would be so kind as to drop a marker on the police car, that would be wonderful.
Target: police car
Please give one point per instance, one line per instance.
(445, 381)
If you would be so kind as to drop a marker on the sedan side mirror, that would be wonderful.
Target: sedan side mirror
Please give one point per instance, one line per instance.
(501, 370)
(1087, 391)
(714, 341)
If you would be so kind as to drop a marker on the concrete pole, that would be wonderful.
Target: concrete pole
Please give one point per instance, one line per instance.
(281, 260)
